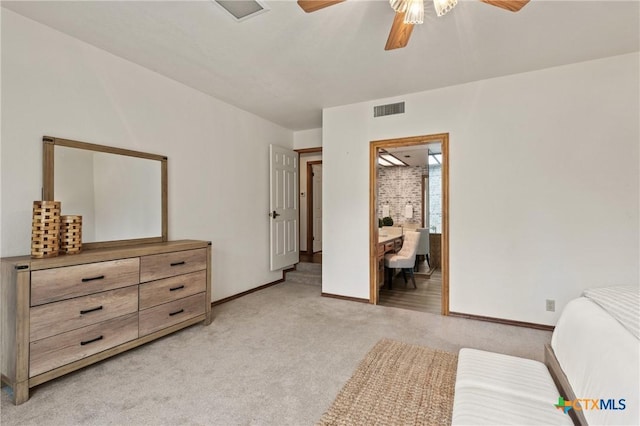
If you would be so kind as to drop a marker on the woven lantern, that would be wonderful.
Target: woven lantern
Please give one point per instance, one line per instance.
(70, 234)
(45, 229)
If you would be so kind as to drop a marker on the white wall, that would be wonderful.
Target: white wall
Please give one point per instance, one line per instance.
(311, 138)
(218, 155)
(544, 185)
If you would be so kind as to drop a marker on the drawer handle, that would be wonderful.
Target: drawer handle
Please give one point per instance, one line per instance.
(99, 277)
(176, 312)
(180, 287)
(86, 342)
(86, 311)
(177, 263)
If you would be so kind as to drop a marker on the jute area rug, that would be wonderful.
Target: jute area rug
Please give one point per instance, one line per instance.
(397, 384)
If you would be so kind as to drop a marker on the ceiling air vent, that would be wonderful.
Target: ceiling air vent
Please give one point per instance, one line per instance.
(242, 9)
(389, 109)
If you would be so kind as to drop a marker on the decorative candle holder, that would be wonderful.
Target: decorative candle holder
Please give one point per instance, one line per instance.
(45, 229)
(70, 234)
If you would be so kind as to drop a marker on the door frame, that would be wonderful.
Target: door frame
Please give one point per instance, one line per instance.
(423, 189)
(310, 165)
(314, 150)
(374, 147)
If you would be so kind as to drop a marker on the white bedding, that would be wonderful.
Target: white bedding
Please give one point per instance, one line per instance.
(481, 406)
(601, 360)
(621, 302)
(524, 378)
(497, 389)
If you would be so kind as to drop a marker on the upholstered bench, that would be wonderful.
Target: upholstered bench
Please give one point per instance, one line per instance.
(493, 389)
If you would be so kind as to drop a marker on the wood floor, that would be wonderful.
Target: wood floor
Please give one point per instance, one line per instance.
(426, 298)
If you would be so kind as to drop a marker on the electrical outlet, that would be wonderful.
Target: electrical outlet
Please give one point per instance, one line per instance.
(551, 305)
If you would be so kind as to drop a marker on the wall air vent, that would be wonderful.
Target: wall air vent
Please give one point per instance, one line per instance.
(389, 109)
(241, 10)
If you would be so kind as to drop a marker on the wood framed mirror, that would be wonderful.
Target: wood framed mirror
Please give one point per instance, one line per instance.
(121, 194)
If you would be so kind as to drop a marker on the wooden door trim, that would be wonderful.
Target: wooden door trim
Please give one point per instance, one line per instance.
(423, 188)
(310, 165)
(374, 146)
(309, 150)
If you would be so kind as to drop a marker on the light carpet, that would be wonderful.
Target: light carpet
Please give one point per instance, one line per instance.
(397, 384)
(278, 356)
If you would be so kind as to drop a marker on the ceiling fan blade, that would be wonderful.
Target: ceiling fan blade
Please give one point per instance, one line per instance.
(399, 34)
(512, 5)
(313, 5)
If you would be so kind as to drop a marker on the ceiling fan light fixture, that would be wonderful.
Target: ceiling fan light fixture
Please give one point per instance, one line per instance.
(398, 5)
(415, 12)
(443, 6)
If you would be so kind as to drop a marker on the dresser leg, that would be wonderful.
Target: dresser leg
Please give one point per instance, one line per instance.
(20, 393)
(208, 319)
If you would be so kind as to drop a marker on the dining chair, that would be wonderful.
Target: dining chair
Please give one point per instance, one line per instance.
(423, 247)
(404, 259)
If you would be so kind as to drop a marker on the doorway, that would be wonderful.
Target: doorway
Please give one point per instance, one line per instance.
(375, 254)
(310, 162)
(314, 209)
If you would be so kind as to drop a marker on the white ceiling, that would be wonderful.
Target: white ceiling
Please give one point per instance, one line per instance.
(285, 65)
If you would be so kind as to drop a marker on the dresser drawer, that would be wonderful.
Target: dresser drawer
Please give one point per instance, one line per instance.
(166, 265)
(169, 289)
(50, 285)
(168, 314)
(59, 317)
(62, 349)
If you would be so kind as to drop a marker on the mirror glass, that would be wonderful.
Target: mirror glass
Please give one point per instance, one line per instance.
(119, 193)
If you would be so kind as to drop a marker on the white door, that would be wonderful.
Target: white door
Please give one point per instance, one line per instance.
(283, 207)
(317, 207)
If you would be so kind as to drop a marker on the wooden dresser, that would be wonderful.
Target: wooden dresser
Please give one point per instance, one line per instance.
(63, 313)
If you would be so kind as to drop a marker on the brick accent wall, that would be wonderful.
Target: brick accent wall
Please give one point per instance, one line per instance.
(397, 187)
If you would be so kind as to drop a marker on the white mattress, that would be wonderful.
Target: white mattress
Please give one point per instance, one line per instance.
(600, 358)
(500, 389)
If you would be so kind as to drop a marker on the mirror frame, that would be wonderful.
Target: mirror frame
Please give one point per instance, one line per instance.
(48, 172)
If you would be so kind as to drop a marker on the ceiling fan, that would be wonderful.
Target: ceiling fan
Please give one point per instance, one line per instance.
(409, 13)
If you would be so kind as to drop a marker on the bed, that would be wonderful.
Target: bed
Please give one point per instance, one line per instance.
(594, 356)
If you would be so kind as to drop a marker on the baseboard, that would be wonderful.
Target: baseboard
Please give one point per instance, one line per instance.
(351, 299)
(253, 290)
(504, 321)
